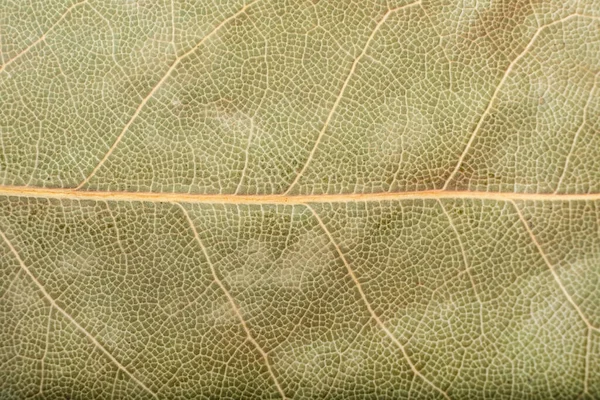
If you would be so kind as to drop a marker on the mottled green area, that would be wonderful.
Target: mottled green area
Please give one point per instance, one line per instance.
(415, 298)
(462, 287)
(243, 110)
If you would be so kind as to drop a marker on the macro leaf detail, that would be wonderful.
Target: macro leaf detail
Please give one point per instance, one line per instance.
(300, 199)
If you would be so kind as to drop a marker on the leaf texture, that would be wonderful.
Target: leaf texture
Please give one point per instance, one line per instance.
(300, 199)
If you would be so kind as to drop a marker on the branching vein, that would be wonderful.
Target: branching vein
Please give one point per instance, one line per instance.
(46, 345)
(466, 263)
(494, 96)
(342, 90)
(54, 305)
(246, 157)
(375, 317)
(588, 354)
(153, 91)
(43, 37)
(577, 133)
(589, 325)
(551, 267)
(232, 302)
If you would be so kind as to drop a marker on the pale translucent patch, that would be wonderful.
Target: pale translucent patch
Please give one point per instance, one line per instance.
(314, 361)
(72, 264)
(20, 295)
(293, 268)
(220, 314)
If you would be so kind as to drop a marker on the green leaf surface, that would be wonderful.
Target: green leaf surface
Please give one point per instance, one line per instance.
(300, 199)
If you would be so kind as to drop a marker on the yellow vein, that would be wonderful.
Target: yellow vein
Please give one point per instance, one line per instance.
(589, 325)
(577, 133)
(70, 319)
(43, 37)
(173, 27)
(501, 84)
(551, 267)
(588, 351)
(343, 89)
(232, 302)
(155, 89)
(246, 157)
(43, 359)
(370, 309)
(466, 263)
(157, 197)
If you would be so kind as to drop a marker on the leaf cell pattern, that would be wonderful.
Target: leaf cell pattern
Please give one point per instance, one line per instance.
(300, 199)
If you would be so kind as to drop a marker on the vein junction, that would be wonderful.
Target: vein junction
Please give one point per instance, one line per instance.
(154, 89)
(64, 313)
(374, 315)
(233, 304)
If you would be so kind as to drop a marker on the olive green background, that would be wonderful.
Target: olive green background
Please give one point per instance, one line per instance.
(462, 298)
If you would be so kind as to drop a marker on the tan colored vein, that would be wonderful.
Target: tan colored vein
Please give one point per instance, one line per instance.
(114, 389)
(113, 47)
(501, 84)
(551, 268)
(46, 345)
(70, 319)
(1, 53)
(466, 263)
(589, 325)
(588, 352)
(232, 302)
(246, 157)
(173, 27)
(153, 91)
(342, 90)
(157, 197)
(375, 317)
(43, 37)
(577, 133)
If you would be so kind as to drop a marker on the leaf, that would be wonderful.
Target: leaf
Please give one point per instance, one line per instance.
(300, 199)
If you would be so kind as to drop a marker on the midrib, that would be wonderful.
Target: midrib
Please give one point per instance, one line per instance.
(37, 192)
